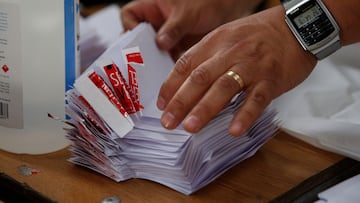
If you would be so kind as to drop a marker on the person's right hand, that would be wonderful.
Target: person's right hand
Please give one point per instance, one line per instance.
(182, 23)
(257, 54)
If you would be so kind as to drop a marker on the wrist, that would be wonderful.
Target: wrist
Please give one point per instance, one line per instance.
(291, 46)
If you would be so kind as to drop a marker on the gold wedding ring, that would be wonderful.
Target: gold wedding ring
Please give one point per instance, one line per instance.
(237, 78)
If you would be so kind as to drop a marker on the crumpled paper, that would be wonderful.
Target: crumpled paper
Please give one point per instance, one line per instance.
(324, 110)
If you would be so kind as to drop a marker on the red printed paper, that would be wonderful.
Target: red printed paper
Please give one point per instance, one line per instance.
(92, 115)
(120, 87)
(134, 57)
(99, 82)
(134, 87)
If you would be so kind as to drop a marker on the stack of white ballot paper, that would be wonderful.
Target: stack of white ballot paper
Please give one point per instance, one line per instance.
(116, 124)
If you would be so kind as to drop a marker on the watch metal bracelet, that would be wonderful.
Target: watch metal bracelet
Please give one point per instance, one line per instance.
(331, 48)
(289, 3)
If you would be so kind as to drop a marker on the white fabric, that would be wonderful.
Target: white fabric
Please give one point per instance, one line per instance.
(325, 109)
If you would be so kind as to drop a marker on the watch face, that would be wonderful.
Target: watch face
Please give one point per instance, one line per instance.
(311, 23)
(309, 15)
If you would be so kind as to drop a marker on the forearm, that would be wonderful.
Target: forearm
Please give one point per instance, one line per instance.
(347, 15)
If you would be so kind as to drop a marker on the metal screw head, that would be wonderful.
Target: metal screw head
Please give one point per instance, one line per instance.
(111, 200)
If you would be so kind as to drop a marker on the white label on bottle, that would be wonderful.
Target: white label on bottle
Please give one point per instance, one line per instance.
(11, 99)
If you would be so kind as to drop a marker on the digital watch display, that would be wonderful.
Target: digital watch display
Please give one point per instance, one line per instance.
(313, 26)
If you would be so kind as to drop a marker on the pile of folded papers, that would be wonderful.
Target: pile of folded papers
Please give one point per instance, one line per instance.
(116, 124)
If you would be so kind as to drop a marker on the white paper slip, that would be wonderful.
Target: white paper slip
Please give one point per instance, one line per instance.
(117, 130)
(111, 112)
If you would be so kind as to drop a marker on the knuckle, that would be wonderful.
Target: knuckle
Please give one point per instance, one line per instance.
(260, 99)
(272, 67)
(183, 65)
(257, 50)
(200, 76)
(179, 104)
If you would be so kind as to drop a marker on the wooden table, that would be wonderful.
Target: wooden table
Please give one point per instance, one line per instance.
(279, 165)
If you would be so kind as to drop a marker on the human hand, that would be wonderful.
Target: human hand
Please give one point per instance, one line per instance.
(181, 24)
(259, 48)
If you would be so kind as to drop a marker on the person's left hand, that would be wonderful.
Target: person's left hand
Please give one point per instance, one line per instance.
(182, 23)
(259, 48)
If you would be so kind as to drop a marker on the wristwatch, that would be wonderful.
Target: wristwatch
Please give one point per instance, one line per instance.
(313, 26)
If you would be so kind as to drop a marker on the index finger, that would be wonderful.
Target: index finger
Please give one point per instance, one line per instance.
(181, 71)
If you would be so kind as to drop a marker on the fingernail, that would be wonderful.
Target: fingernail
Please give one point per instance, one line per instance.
(165, 42)
(161, 104)
(168, 120)
(191, 123)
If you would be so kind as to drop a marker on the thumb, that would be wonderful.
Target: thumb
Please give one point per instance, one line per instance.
(172, 31)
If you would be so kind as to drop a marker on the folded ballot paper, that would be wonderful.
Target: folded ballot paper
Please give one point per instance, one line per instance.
(116, 124)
